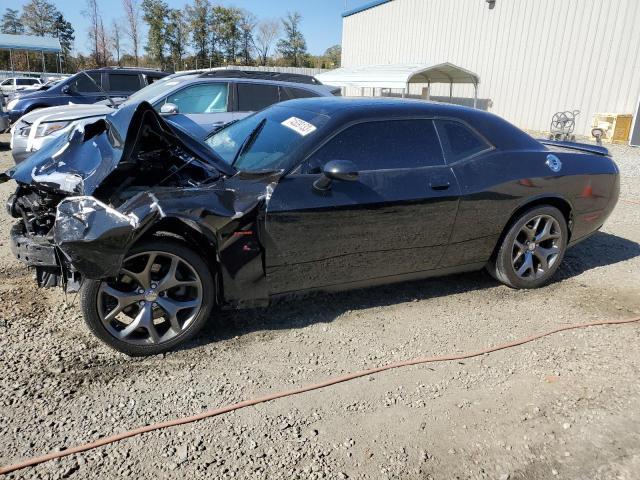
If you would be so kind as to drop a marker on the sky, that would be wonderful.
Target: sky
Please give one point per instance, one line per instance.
(321, 19)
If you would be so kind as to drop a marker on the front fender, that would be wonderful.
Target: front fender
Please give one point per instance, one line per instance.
(95, 237)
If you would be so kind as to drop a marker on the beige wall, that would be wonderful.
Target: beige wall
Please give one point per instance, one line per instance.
(534, 57)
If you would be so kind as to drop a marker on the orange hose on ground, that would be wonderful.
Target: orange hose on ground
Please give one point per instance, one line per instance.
(286, 393)
(633, 202)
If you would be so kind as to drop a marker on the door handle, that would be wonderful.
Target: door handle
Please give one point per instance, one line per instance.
(439, 184)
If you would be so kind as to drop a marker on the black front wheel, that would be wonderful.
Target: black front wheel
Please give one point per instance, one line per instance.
(162, 297)
(532, 249)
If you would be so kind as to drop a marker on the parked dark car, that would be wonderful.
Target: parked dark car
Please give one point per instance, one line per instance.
(80, 89)
(310, 194)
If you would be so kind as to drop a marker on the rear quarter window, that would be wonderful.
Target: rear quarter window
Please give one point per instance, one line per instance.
(290, 93)
(459, 141)
(256, 96)
(119, 82)
(152, 78)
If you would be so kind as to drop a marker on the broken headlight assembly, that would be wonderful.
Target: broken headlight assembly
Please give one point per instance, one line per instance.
(47, 128)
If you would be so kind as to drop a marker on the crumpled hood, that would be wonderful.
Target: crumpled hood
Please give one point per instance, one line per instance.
(66, 113)
(77, 163)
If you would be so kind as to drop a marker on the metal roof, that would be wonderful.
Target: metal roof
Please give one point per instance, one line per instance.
(364, 7)
(398, 75)
(29, 42)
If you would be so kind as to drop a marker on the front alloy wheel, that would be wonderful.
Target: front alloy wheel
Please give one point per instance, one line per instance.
(162, 296)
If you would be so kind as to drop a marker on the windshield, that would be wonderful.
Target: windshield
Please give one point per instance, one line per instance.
(265, 140)
(156, 88)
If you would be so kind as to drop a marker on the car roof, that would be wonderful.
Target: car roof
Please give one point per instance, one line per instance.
(126, 70)
(343, 110)
(199, 78)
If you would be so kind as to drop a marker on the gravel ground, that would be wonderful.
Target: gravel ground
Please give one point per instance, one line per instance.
(565, 407)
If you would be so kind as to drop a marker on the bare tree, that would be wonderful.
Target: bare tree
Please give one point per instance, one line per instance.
(132, 12)
(103, 43)
(115, 39)
(268, 32)
(95, 22)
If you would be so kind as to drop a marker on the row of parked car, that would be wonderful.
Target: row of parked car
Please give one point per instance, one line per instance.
(200, 101)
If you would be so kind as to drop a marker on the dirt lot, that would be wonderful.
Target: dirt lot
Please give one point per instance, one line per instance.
(566, 407)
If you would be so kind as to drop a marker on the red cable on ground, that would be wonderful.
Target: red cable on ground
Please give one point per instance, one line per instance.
(286, 393)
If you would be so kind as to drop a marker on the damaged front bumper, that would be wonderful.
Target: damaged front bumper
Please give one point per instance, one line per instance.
(42, 255)
(88, 240)
(35, 251)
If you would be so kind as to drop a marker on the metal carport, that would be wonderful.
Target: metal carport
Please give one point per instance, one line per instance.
(400, 76)
(29, 43)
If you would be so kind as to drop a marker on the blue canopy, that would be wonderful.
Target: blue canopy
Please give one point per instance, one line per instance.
(29, 42)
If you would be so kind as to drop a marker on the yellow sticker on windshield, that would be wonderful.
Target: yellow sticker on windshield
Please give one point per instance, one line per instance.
(299, 126)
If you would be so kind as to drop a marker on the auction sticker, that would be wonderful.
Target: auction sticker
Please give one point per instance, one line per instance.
(299, 126)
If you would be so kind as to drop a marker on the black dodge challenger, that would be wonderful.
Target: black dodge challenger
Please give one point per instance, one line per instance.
(157, 228)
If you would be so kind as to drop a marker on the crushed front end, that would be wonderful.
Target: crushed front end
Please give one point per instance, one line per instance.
(31, 239)
(82, 199)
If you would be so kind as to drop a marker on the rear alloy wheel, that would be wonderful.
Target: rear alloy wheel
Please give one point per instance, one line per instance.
(532, 249)
(162, 296)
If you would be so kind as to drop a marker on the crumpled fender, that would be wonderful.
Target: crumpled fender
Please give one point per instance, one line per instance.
(96, 237)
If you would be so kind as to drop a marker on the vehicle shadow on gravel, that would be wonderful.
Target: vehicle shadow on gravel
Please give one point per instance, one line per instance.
(600, 250)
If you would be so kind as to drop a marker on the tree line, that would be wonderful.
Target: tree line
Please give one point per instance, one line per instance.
(200, 35)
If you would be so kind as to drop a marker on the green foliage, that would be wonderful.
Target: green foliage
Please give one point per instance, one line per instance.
(177, 32)
(202, 34)
(333, 56)
(38, 17)
(293, 47)
(247, 25)
(198, 24)
(230, 33)
(63, 31)
(155, 13)
(10, 22)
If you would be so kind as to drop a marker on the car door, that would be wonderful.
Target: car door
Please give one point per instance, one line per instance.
(472, 158)
(84, 90)
(207, 104)
(393, 221)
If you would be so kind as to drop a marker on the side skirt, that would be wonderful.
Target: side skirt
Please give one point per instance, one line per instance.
(371, 282)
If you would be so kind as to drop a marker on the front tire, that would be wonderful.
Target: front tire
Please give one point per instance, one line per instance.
(162, 297)
(532, 249)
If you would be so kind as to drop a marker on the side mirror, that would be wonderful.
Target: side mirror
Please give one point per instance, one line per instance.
(169, 109)
(344, 170)
(66, 89)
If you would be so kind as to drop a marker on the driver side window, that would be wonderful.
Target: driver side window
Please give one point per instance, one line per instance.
(82, 84)
(202, 98)
(382, 145)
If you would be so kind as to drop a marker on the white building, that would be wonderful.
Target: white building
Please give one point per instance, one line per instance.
(533, 57)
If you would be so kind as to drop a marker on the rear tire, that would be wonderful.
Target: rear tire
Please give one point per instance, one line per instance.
(162, 297)
(532, 249)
